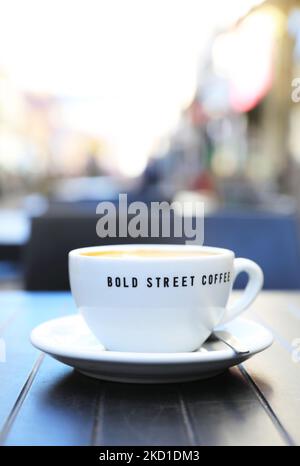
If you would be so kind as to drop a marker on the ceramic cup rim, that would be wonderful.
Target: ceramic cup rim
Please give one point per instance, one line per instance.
(217, 253)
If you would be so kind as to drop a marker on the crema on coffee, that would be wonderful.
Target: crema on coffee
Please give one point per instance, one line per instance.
(147, 253)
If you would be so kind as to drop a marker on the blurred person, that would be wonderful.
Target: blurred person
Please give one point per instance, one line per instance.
(94, 154)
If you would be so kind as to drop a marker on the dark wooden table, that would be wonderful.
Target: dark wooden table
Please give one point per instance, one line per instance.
(43, 402)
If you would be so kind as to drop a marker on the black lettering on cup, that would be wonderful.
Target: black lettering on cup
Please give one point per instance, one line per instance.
(166, 282)
(125, 284)
(134, 282)
(109, 281)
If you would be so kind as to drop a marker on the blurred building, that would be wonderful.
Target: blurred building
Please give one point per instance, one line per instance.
(229, 131)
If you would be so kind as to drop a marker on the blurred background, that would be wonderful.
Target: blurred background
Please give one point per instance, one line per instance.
(162, 100)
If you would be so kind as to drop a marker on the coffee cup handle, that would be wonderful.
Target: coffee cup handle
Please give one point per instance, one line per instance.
(253, 287)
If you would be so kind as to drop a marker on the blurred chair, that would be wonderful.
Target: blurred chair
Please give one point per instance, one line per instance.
(10, 275)
(53, 236)
(14, 232)
(271, 240)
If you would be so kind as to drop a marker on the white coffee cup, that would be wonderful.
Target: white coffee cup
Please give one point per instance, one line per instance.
(158, 298)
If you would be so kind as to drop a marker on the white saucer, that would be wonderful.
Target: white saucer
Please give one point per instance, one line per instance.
(69, 340)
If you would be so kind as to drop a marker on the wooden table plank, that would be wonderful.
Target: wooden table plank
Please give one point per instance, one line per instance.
(134, 414)
(62, 407)
(30, 309)
(220, 411)
(274, 372)
(137, 415)
(225, 411)
(58, 410)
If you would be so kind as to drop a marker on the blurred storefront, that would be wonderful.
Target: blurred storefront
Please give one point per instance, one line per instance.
(240, 131)
(235, 134)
